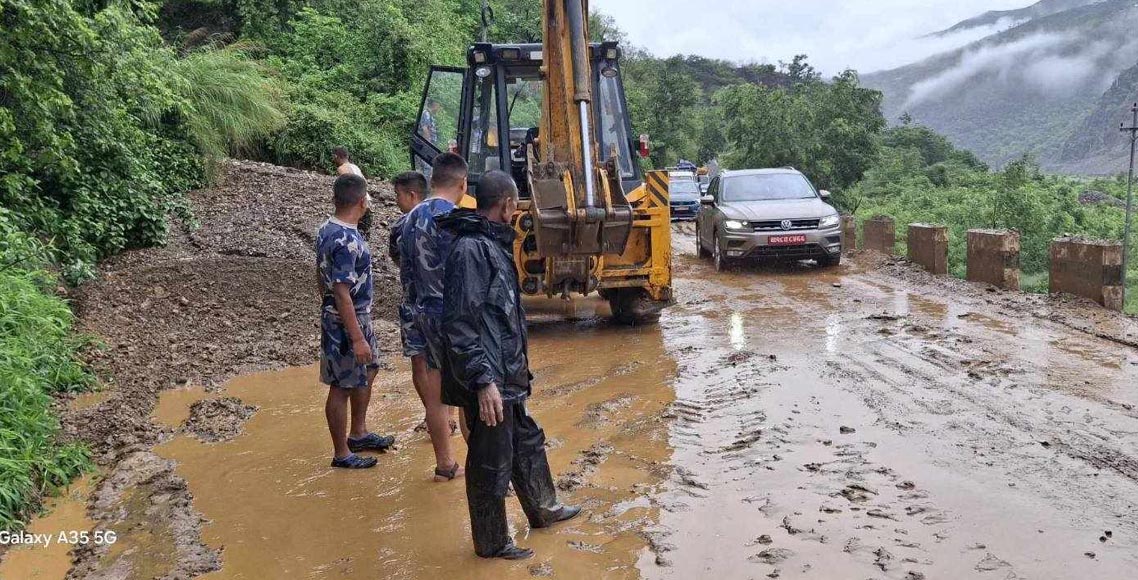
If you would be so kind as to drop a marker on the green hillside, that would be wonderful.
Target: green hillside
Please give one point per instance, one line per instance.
(1030, 89)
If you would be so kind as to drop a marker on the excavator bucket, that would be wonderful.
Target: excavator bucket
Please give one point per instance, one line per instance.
(563, 229)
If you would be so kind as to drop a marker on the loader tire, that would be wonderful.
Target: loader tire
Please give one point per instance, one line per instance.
(633, 307)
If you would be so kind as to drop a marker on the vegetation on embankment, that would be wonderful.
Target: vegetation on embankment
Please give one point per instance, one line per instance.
(37, 359)
(920, 177)
(104, 127)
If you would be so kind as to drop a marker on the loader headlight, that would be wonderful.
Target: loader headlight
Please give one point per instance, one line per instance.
(829, 221)
(735, 225)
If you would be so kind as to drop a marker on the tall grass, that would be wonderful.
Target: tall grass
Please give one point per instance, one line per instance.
(37, 359)
(231, 100)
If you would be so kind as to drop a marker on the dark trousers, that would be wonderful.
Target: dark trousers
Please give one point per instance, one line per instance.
(514, 450)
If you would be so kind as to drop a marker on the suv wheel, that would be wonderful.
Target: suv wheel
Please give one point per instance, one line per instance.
(830, 261)
(700, 252)
(717, 255)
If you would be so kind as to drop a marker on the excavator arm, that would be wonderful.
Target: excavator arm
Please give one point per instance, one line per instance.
(579, 207)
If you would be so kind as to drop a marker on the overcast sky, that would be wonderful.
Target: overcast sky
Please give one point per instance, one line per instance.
(867, 35)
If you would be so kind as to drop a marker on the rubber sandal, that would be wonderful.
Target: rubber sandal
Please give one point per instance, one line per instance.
(371, 442)
(354, 461)
(442, 475)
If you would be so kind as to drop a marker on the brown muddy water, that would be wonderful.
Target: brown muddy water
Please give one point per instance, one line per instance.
(278, 511)
(782, 423)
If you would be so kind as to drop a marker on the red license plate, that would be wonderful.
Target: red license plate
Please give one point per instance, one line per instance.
(786, 240)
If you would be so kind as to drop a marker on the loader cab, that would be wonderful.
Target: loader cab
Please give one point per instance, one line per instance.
(490, 112)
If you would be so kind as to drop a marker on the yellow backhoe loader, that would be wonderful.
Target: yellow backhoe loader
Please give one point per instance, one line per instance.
(554, 115)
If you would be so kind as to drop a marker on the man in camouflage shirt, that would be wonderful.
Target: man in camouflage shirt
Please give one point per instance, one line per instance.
(423, 250)
(349, 356)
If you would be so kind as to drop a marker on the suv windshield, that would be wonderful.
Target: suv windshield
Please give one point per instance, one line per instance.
(767, 187)
(684, 187)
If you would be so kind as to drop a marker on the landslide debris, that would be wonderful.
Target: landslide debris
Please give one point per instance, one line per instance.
(231, 294)
(216, 420)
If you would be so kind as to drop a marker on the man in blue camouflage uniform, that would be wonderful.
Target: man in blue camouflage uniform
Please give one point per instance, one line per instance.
(349, 356)
(410, 189)
(423, 250)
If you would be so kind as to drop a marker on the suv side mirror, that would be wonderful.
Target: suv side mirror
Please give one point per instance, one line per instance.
(824, 193)
(707, 200)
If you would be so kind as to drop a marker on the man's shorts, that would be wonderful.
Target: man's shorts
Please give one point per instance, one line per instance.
(338, 367)
(413, 342)
(422, 336)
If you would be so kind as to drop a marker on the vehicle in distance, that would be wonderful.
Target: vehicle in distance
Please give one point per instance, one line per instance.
(683, 194)
(767, 215)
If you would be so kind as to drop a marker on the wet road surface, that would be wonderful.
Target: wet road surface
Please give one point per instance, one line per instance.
(840, 425)
(787, 422)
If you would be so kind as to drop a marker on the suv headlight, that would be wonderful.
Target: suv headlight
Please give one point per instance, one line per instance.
(829, 221)
(734, 225)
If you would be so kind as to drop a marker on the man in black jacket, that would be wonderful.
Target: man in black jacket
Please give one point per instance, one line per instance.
(487, 372)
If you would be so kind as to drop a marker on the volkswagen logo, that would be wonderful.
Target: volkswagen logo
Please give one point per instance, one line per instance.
(787, 224)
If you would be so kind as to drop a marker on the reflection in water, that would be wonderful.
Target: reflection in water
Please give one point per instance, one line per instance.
(736, 332)
(833, 332)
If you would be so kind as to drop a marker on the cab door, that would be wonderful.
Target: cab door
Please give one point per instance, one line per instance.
(440, 117)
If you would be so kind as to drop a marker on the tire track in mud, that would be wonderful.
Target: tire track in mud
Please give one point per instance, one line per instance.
(918, 443)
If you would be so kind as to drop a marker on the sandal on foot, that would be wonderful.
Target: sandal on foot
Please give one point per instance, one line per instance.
(354, 461)
(371, 442)
(442, 475)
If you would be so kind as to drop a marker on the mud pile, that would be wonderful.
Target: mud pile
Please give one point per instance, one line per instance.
(232, 294)
(219, 300)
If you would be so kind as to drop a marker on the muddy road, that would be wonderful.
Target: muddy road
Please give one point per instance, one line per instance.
(862, 422)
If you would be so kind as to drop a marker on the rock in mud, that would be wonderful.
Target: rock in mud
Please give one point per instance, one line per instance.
(586, 464)
(542, 570)
(990, 563)
(216, 420)
(772, 556)
(846, 430)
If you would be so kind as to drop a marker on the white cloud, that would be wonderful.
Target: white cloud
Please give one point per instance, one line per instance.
(1055, 65)
(867, 35)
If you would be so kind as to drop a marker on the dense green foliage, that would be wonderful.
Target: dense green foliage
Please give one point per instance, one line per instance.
(36, 359)
(827, 130)
(103, 124)
(103, 128)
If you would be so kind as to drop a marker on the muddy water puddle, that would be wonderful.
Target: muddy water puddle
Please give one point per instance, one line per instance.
(277, 510)
(63, 514)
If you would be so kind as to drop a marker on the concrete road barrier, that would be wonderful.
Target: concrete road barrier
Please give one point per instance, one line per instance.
(928, 247)
(849, 233)
(1088, 268)
(879, 235)
(993, 258)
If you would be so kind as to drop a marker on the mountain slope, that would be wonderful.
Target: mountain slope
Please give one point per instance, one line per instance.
(1096, 145)
(1037, 10)
(1024, 90)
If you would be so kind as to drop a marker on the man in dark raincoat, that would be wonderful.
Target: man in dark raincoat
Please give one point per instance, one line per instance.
(488, 374)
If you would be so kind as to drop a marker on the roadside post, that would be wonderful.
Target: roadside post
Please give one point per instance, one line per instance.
(1133, 130)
